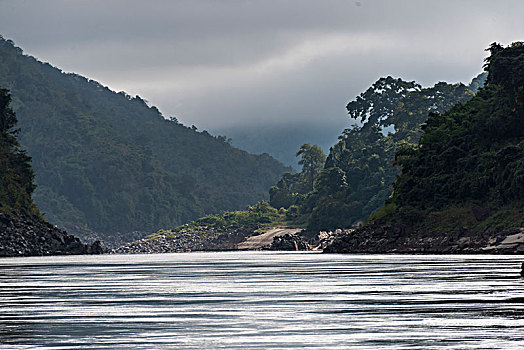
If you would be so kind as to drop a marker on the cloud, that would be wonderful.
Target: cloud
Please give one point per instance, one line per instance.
(230, 62)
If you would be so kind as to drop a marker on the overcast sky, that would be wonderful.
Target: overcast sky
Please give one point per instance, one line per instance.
(217, 63)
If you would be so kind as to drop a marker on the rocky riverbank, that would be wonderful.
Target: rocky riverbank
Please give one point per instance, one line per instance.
(24, 236)
(406, 239)
(288, 242)
(201, 240)
(217, 240)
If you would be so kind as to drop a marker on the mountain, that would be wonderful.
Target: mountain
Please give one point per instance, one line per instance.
(109, 166)
(282, 140)
(461, 187)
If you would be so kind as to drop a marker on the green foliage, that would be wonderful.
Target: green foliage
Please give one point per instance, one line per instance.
(358, 173)
(108, 162)
(382, 212)
(373, 106)
(312, 161)
(292, 188)
(16, 175)
(255, 218)
(359, 170)
(292, 212)
(474, 151)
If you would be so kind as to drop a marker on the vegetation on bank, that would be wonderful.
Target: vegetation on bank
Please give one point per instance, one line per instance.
(468, 168)
(292, 188)
(255, 219)
(355, 179)
(109, 163)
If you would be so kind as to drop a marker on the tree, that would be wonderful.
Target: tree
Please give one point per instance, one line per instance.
(16, 174)
(293, 187)
(473, 152)
(374, 106)
(312, 161)
(359, 169)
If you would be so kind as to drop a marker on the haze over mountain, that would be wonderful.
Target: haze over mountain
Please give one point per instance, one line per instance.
(225, 65)
(282, 141)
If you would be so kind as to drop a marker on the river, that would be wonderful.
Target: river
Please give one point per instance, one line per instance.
(262, 300)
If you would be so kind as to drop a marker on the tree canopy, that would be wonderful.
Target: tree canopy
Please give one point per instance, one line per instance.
(473, 152)
(358, 173)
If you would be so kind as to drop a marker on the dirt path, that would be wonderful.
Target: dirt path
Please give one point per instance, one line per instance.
(257, 242)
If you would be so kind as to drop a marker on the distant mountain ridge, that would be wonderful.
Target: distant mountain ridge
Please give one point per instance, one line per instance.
(283, 140)
(107, 164)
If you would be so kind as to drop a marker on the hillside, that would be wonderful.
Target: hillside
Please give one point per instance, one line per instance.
(23, 231)
(461, 187)
(106, 164)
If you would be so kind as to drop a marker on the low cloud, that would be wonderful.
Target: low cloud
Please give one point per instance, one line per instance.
(220, 63)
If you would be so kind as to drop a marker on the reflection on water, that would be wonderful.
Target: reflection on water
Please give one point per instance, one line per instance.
(261, 300)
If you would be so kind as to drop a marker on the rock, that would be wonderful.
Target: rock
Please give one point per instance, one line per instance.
(201, 240)
(288, 242)
(32, 236)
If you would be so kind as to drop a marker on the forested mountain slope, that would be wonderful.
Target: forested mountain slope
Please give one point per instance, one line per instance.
(461, 188)
(107, 162)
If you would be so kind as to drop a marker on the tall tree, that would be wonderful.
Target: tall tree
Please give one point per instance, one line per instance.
(293, 187)
(312, 162)
(473, 152)
(16, 175)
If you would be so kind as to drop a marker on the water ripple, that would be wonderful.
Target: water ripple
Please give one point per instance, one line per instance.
(261, 300)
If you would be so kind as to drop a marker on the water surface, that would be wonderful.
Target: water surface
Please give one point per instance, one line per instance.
(261, 300)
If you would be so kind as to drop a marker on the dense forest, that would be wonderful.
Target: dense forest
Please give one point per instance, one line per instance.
(460, 188)
(23, 230)
(356, 178)
(474, 153)
(107, 163)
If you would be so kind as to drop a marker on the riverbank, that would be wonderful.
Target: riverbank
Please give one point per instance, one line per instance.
(32, 236)
(405, 239)
(211, 239)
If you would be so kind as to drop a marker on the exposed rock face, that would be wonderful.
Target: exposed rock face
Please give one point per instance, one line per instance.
(22, 236)
(405, 239)
(288, 242)
(325, 238)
